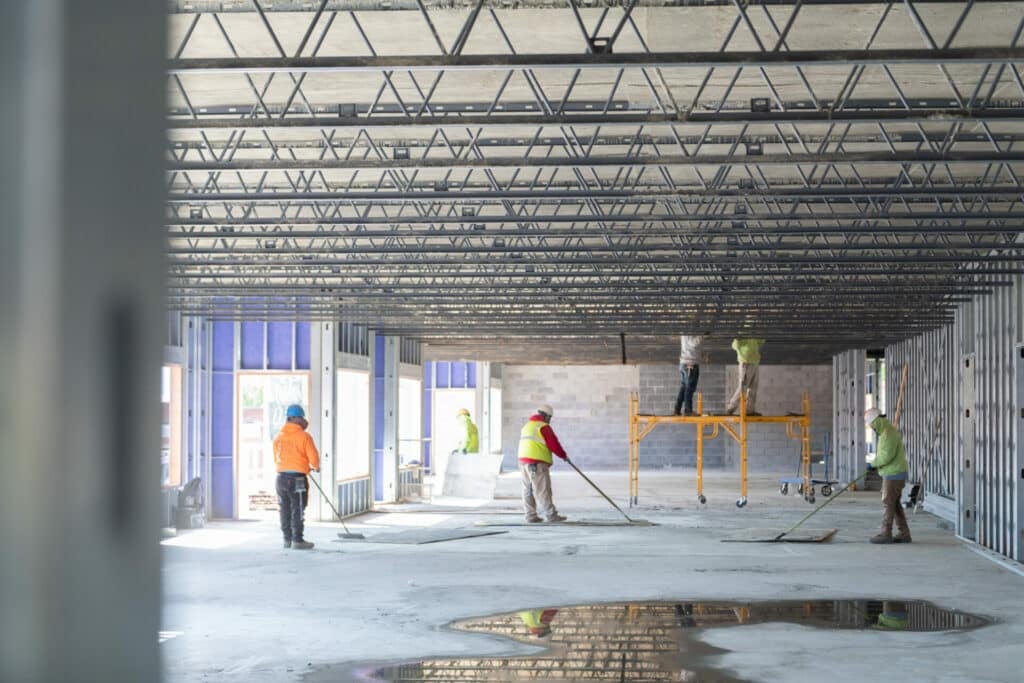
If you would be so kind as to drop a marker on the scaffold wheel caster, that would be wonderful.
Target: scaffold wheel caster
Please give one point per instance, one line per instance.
(826, 490)
(810, 499)
(741, 502)
(800, 489)
(702, 499)
(784, 489)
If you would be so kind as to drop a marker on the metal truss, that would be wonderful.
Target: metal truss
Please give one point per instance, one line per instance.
(826, 172)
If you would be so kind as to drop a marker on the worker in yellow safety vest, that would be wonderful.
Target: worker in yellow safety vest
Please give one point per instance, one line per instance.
(537, 442)
(537, 621)
(469, 437)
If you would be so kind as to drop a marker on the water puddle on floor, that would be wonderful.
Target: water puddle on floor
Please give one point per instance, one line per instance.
(651, 641)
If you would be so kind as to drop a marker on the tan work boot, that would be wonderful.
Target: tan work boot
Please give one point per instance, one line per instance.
(534, 519)
(902, 538)
(301, 545)
(881, 539)
(557, 518)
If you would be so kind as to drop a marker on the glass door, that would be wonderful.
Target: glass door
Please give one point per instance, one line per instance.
(263, 398)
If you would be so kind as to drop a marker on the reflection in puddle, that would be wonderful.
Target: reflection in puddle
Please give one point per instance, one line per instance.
(653, 641)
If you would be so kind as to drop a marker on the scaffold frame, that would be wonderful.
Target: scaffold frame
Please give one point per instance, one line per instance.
(798, 426)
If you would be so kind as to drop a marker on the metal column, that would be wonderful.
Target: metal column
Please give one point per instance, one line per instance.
(848, 372)
(323, 340)
(483, 405)
(81, 328)
(968, 510)
(389, 472)
(1018, 453)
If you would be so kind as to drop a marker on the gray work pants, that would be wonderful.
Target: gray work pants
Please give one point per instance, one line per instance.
(537, 489)
(748, 383)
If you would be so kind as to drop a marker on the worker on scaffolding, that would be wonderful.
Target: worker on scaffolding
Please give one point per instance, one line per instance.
(295, 455)
(691, 348)
(748, 355)
(537, 441)
(469, 438)
(891, 463)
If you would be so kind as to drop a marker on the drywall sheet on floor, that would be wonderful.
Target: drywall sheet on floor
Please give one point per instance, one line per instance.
(769, 535)
(421, 536)
(581, 522)
(472, 475)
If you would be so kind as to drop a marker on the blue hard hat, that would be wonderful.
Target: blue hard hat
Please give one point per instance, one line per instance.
(295, 410)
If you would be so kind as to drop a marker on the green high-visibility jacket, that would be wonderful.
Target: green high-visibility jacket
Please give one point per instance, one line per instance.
(890, 456)
(748, 351)
(469, 439)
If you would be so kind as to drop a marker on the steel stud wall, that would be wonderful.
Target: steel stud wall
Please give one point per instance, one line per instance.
(848, 447)
(961, 417)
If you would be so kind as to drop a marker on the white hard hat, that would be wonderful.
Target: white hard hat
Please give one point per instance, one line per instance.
(546, 409)
(870, 415)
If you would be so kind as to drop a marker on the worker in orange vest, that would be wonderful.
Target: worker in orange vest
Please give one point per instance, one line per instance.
(295, 455)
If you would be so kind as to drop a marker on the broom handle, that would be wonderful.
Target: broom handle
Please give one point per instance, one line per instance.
(817, 509)
(899, 399)
(334, 509)
(580, 472)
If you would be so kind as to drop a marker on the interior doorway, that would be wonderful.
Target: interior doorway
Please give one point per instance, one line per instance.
(263, 398)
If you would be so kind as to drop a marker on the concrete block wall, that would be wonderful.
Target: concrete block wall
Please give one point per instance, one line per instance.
(672, 445)
(591, 405)
(779, 390)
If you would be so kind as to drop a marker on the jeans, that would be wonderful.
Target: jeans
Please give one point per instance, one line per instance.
(292, 498)
(689, 375)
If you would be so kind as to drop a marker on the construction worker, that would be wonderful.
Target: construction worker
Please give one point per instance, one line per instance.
(893, 617)
(537, 441)
(538, 621)
(748, 355)
(891, 463)
(469, 439)
(691, 348)
(295, 456)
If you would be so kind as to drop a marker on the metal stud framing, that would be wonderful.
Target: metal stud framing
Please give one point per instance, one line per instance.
(962, 411)
(848, 446)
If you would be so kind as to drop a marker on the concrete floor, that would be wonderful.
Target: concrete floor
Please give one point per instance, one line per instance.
(239, 608)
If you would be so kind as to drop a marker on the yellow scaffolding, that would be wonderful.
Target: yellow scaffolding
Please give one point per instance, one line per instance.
(734, 425)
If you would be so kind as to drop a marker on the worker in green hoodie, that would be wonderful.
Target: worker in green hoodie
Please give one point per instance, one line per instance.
(891, 463)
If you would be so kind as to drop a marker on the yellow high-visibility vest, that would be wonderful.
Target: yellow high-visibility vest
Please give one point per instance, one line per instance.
(531, 443)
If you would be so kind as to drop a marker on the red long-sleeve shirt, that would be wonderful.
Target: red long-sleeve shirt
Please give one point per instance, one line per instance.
(550, 440)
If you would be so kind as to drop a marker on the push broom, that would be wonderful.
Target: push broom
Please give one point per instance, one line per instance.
(347, 533)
